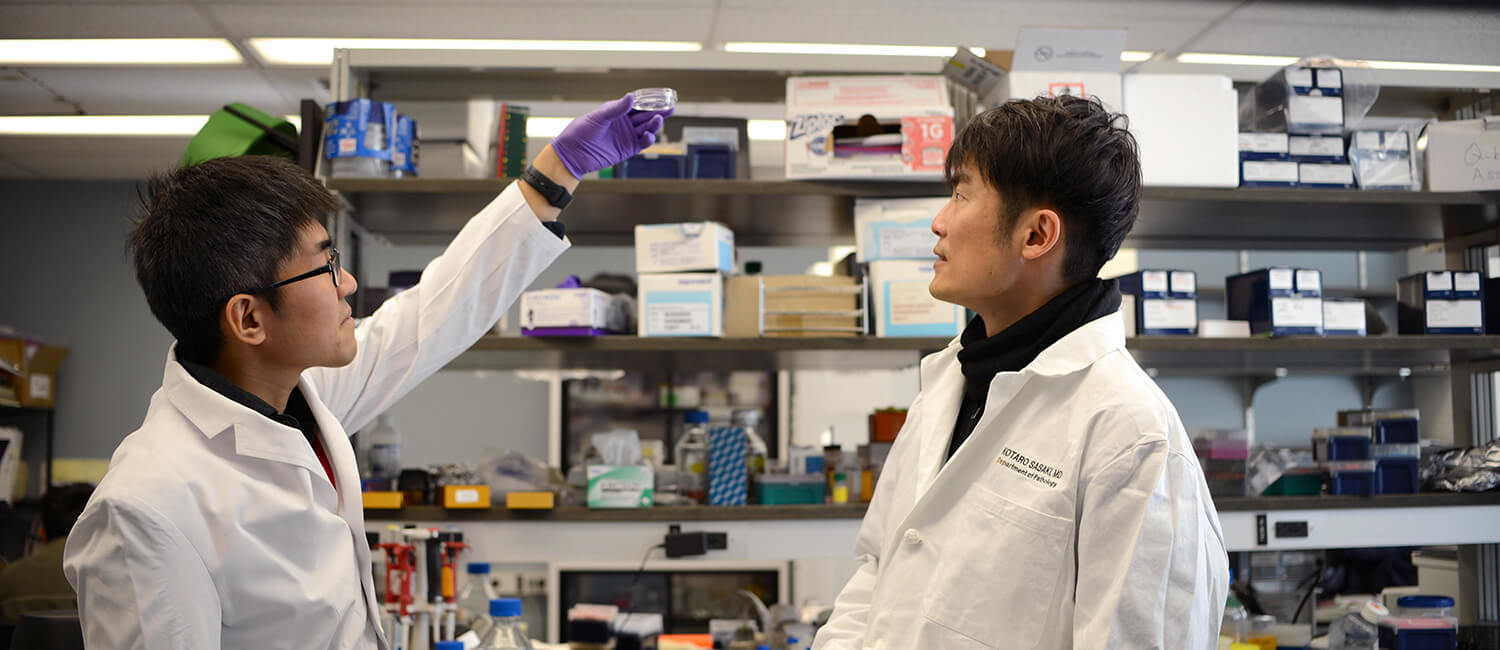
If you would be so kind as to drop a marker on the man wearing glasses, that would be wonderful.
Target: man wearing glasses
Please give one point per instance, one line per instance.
(232, 518)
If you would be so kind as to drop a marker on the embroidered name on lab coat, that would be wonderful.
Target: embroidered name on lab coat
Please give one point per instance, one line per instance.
(1029, 467)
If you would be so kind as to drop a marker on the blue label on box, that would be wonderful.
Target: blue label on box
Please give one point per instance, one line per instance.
(358, 128)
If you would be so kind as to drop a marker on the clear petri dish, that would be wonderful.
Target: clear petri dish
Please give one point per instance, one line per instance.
(654, 99)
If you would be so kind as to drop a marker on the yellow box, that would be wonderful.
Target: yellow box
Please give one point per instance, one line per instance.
(466, 496)
(530, 501)
(383, 500)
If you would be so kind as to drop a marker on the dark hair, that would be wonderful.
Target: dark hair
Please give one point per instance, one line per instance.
(208, 231)
(61, 506)
(1065, 153)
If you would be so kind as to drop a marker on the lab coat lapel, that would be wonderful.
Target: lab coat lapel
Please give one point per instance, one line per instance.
(943, 390)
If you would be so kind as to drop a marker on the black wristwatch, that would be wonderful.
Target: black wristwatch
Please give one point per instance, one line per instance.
(557, 196)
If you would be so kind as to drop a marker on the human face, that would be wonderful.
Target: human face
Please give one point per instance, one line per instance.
(977, 264)
(313, 324)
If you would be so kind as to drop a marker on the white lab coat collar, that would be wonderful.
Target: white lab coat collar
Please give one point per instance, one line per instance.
(213, 414)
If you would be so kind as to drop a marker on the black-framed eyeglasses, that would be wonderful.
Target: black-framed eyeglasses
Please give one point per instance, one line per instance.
(332, 268)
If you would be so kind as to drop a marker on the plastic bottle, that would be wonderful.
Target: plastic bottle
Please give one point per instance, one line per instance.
(1358, 630)
(506, 633)
(474, 599)
(755, 459)
(691, 455)
(1236, 624)
(385, 449)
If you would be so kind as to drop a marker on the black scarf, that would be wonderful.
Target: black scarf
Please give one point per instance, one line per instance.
(1018, 345)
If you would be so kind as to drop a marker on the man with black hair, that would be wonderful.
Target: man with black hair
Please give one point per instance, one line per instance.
(232, 518)
(36, 582)
(1043, 492)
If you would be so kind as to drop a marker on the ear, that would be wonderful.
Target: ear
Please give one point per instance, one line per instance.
(244, 319)
(1039, 232)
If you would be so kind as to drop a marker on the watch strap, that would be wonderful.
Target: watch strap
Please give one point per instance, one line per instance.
(557, 196)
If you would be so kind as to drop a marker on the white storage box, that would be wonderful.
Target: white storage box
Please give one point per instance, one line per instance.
(1187, 126)
(909, 142)
(694, 246)
(573, 312)
(1464, 156)
(895, 229)
(1056, 62)
(904, 305)
(681, 304)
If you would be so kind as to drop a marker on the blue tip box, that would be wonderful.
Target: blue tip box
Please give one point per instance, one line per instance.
(1166, 302)
(1277, 301)
(1397, 475)
(1440, 302)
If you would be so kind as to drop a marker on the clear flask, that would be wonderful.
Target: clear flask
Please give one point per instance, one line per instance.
(691, 455)
(506, 632)
(1358, 630)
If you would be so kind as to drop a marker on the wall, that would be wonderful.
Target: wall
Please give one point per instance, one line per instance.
(69, 281)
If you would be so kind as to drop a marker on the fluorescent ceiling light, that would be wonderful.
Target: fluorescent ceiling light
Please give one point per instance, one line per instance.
(1134, 56)
(1432, 67)
(319, 51)
(767, 129)
(1235, 59)
(843, 48)
(126, 125)
(118, 51)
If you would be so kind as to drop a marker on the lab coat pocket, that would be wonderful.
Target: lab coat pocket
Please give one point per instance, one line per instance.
(995, 578)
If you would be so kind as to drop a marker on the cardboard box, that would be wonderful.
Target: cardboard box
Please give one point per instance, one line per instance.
(621, 486)
(892, 128)
(1277, 301)
(1186, 126)
(28, 372)
(693, 246)
(895, 229)
(1316, 148)
(1464, 156)
(530, 501)
(1264, 146)
(903, 305)
(1325, 175)
(383, 500)
(1166, 301)
(680, 304)
(1269, 173)
(1056, 62)
(1440, 302)
(1344, 317)
(576, 311)
(792, 305)
(1301, 100)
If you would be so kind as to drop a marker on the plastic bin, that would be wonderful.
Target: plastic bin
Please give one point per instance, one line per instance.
(1396, 431)
(789, 490)
(1397, 476)
(1352, 478)
(1341, 444)
(1401, 633)
(1400, 450)
(652, 166)
(1297, 482)
(710, 161)
(1425, 607)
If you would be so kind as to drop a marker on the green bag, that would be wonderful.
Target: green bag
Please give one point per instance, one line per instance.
(240, 130)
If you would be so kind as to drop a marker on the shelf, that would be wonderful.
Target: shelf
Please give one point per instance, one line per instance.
(784, 213)
(1166, 355)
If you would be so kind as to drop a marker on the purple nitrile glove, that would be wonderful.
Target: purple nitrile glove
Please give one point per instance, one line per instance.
(606, 136)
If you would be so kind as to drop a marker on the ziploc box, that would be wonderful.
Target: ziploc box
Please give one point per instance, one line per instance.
(693, 246)
(1301, 99)
(1166, 302)
(904, 305)
(621, 486)
(891, 128)
(895, 229)
(1186, 126)
(680, 304)
(728, 483)
(1277, 301)
(577, 311)
(1344, 317)
(1440, 302)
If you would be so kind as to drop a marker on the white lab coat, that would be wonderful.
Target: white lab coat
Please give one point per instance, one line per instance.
(1074, 516)
(217, 528)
